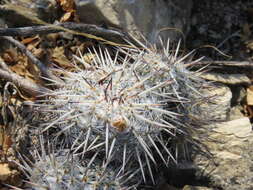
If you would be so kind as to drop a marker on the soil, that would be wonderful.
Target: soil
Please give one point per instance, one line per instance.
(225, 25)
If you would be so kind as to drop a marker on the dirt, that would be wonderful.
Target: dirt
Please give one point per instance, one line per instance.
(225, 25)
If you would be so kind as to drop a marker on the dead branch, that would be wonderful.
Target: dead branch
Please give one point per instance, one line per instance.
(4, 66)
(45, 71)
(26, 85)
(108, 34)
(219, 64)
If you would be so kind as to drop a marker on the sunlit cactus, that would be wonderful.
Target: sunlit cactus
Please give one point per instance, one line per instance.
(127, 108)
(63, 170)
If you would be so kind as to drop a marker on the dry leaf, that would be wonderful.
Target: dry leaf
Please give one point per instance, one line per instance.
(29, 40)
(67, 5)
(38, 52)
(67, 17)
(52, 37)
(59, 57)
(5, 171)
(10, 56)
(21, 68)
(33, 44)
(5, 140)
(8, 175)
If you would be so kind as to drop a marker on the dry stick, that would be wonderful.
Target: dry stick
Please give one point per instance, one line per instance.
(230, 63)
(28, 86)
(112, 35)
(4, 66)
(242, 64)
(46, 73)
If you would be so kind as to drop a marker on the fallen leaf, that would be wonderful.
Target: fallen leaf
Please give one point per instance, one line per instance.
(38, 52)
(9, 175)
(29, 40)
(33, 45)
(10, 56)
(5, 140)
(53, 37)
(67, 17)
(67, 5)
(59, 57)
(21, 68)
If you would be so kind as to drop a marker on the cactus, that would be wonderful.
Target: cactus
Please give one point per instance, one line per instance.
(127, 108)
(63, 170)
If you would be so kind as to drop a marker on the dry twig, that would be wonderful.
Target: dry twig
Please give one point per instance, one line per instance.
(26, 85)
(45, 71)
(238, 64)
(112, 35)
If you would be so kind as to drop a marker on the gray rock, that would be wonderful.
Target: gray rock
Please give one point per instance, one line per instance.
(240, 128)
(219, 104)
(24, 13)
(232, 79)
(134, 16)
(232, 161)
(236, 112)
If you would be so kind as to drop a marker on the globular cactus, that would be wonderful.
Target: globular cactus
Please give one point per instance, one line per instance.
(187, 90)
(127, 108)
(63, 170)
(187, 94)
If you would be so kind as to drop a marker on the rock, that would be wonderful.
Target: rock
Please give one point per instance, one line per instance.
(236, 113)
(250, 95)
(24, 13)
(219, 104)
(232, 79)
(134, 16)
(47, 10)
(240, 128)
(231, 166)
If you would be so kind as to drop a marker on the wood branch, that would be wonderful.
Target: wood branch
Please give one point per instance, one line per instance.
(45, 71)
(4, 66)
(108, 34)
(238, 64)
(26, 85)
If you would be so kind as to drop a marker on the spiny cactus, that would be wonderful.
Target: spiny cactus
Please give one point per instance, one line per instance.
(128, 110)
(187, 88)
(187, 94)
(63, 170)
